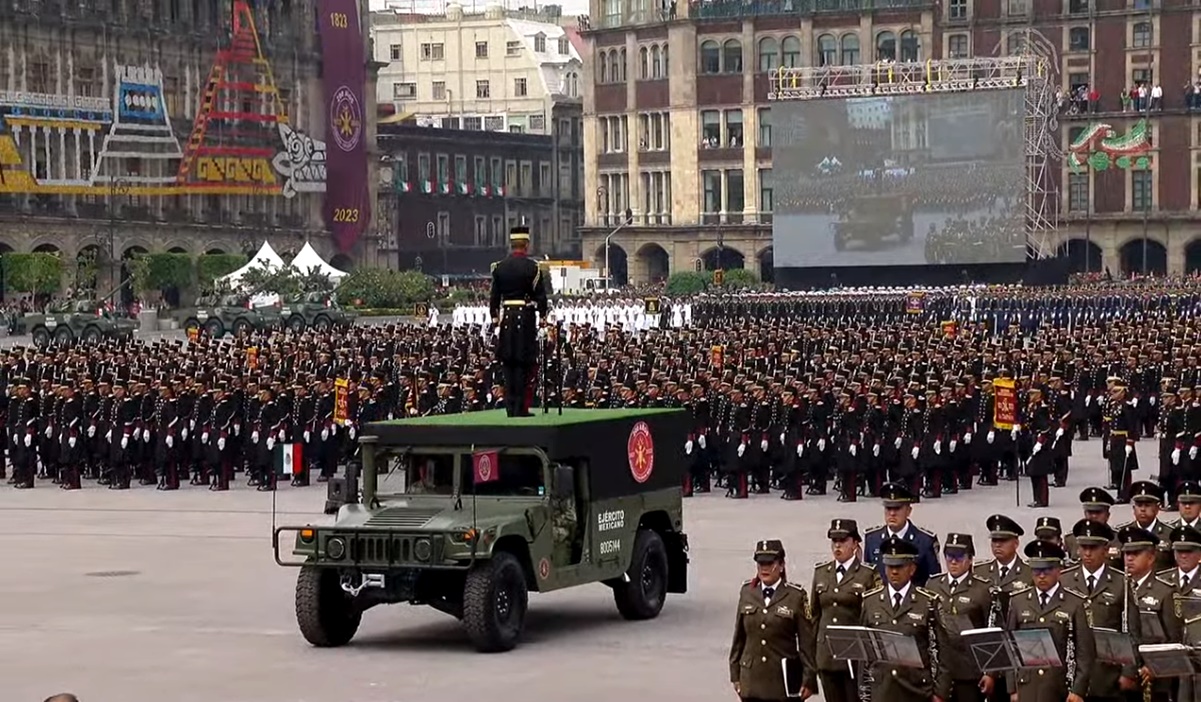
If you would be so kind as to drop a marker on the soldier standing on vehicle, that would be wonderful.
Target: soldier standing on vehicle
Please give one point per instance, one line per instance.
(518, 295)
(838, 587)
(774, 623)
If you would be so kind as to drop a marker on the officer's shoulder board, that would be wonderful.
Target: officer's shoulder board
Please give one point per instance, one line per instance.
(1162, 574)
(1069, 569)
(979, 579)
(752, 581)
(1072, 591)
(874, 591)
(984, 565)
(1165, 581)
(795, 586)
(823, 564)
(1122, 526)
(927, 532)
(929, 594)
(873, 530)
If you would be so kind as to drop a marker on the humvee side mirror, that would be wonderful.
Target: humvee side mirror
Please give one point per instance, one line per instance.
(564, 487)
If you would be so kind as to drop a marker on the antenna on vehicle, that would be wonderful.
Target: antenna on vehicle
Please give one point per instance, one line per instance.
(559, 360)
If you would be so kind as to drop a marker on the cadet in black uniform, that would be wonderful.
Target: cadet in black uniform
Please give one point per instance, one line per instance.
(518, 291)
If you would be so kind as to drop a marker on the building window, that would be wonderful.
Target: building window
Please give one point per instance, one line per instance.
(644, 63)
(394, 52)
(886, 46)
(537, 123)
(479, 170)
(1078, 39)
(1142, 4)
(1018, 8)
(439, 90)
(481, 49)
(957, 10)
(1141, 197)
(911, 46)
(849, 45)
(735, 197)
(564, 46)
(827, 50)
(1142, 35)
(1140, 76)
(656, 63)
(734, 135)
(710, 129)
(432, 52)
(1077, 7)
(769, 54)
(731, 56)
(423, 167)
(540, 43)
(443, 168)
(710, 57)
(519, 87)
(767, 202)
(619, 66)
(512, 48)
(957, 46)
(790, 52)
(711, 185)
(404, 91)
(460, 169)
(482, 90)
(443, 228)
(764, 127)
(1078, 184)
(1015, 44)
(481, 230)
(544, 182)
(474, 123)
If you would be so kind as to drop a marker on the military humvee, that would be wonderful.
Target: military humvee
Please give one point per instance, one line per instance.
(872, 219)
(217, 314)
(317, 310)
(85, 320)
(469, 513)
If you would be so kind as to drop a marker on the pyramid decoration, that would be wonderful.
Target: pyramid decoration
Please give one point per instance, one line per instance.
(141, 134)
(236, 132)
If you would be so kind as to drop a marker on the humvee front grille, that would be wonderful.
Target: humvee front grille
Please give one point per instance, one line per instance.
(388, 549)
(401, 518)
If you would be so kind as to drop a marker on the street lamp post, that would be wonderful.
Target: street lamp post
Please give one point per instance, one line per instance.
(116, 187)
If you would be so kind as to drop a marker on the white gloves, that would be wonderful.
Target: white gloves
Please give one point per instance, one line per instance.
(237, 429)
(1017, 429)
(763, 445)
(1037, 447)
(741, 450)
(688, 447)
(109, 436)
(821, 444)
(700, 441)
(1151, 399)
(1175, 457)
(967, 439)
(183, 434)
(204, 437)
(1059, 432)
(145, 436)
(937, 448)
(412, 411)
(28, 440)
(991, 435)
(254, 437)
(124, 441)
(876, 450)
(1129, 449)
(49, 431)
(781, 437)
(351, 432)
(192, 424)
(914, 453)
(854, 450)
(1088, 400)
(221, 443)
(71, 442)
(800, 450)
(1192, 452)
(169, 441)
(270, 443)
(324, 434)
(897, 444)
(1134, 402)
(282, 436)
(307, 436)
(951, 446)
(91, 431)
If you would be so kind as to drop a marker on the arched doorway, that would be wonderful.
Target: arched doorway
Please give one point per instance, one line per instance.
(619, 269)
(1144, 256)
(654, 263)
(1192, 256)
(767, 267)
(1083, 256)
(725, 258)
(127, 294)
(87, 271)
(342, 262)
(172, 294)
(214, 252)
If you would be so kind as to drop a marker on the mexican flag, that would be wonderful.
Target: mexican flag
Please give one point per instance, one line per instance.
(404, 186)
(485, 191)
(427, 187)
(444, 188)
(498, 190)
(289, 459)
(463, 188)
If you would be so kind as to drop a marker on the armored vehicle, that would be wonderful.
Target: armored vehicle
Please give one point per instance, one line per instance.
(217, 314)
(469, 513)
(85, 320)
(317, 310)
(872, 219)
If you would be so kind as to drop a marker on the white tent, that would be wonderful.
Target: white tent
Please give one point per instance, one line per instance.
(265, 256)
(308, 259)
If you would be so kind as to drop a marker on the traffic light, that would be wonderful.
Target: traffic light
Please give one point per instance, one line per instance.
(700, 265)
(719, 277)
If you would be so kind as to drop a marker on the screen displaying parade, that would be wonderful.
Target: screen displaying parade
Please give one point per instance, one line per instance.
(899, 180)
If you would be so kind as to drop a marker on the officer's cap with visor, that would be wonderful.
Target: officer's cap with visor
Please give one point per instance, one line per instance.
(1090, 533)
(1146, 491)
(896, 495)
(1002, 527)
(769, 551)
(897, 552)
(1042, 555)
(519, 234)
(843, 529)
(1135, 539)
(1188, 492)
(959, 543)
(1048, 527)
(1185, 538)
(1094, 499)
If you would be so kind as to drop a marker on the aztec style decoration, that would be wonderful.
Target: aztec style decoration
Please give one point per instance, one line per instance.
(1100, 148)
(241, 143)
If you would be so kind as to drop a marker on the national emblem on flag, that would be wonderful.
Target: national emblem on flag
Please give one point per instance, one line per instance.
(444, 188)
(427, 187)
(289, 460)
(485, 466)
(463, 188)
(405, 186)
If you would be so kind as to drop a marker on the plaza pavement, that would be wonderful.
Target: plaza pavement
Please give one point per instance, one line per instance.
(143, 596)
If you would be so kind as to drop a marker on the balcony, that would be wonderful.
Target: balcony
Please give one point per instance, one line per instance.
(736, 9)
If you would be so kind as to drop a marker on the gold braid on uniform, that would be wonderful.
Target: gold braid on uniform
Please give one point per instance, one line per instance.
(932, 628)
(994, 607)
(1070, 663)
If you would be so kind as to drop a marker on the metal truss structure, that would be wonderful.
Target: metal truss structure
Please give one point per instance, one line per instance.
(1034, 69)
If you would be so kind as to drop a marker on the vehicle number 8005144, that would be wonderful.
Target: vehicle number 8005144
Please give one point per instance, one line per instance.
(346, 214)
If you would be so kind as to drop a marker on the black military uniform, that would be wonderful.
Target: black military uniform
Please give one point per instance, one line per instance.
(518, 292)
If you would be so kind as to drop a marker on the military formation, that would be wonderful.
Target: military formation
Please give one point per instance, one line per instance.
(1136, 582)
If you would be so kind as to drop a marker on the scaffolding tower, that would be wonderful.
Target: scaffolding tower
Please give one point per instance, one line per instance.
(1032, 68)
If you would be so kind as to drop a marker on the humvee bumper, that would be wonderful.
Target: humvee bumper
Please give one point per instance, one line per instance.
(341, 547)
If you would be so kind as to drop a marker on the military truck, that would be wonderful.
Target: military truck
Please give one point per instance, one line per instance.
(218, 314)
(317, 310)
(469, 513)
(84, 320)
(872, 219)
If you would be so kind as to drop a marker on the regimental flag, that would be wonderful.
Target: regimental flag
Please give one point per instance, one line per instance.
(289, 460)
(427, 186)
(485, 466)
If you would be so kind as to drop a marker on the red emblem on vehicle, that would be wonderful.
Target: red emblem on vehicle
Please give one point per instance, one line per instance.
(544, 569)
(641, 448)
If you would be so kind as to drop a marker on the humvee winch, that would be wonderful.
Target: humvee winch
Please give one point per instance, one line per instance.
(469, 513)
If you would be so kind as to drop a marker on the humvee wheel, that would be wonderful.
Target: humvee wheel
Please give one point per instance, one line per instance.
(241, 327)
(63, 335)
(643, 595)
(326, 614)
(495, 600)
(41, 337)
(296, 324)
(92, 335)
(214, 328)
(322, 323)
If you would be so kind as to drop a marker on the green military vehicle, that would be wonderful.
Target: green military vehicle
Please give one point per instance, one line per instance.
(469, 513)
(84, 320)
(317, 310)
(230, 312)
(873, 219)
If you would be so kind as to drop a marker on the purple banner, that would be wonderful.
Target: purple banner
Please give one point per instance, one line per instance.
(347, 198)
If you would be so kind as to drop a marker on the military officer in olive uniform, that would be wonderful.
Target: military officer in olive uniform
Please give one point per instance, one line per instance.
(1147, 500)
(1186, 575)
(775, 613)
(964, 602)
(1096, 503)
(898, 507)
(1188, 501)
(838, 587)
(1007, 574)
(1107, 596)
(1049, 604)
(518, 292)
(1154, 599)
(901, 606)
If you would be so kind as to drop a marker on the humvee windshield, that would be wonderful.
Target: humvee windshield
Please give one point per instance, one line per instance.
(519, 474)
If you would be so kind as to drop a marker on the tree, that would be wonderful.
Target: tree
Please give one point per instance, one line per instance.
(382, 288)
(87, 273)
(315, 281)
(36, 273)
(686, 283)
(169, 270)
(271, 280)
(210, 267)
(740, 279)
